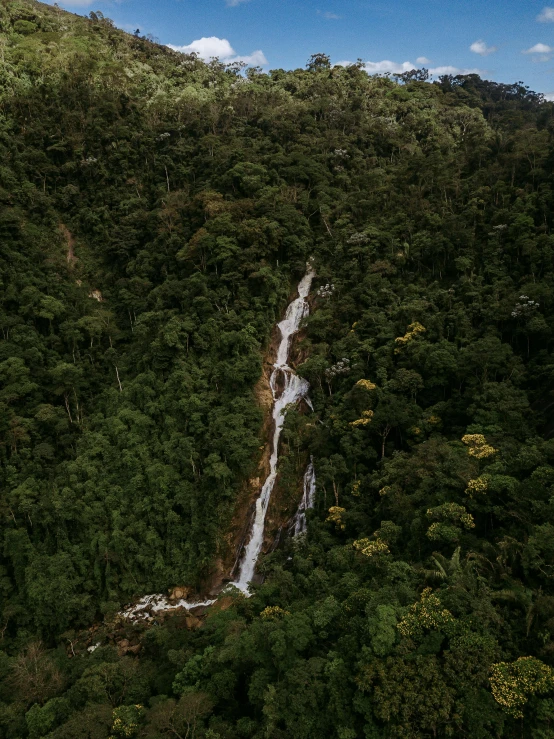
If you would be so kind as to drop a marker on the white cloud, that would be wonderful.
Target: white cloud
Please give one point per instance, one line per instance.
(549, 96)
(206, 48)
(255, 59)
(539, 49)
(330, 16)
(540, 52)
(481, 48)
(398, 68)
(388, 66)
(234, 3)
(448, 69)
(423, 60)
(546, 15)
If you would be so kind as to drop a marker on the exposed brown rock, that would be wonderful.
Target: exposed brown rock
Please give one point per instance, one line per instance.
(179, 593)
(223, 603)
(70, 240)
(125, 647)
(198, 610)
(122, 647)
(262, 391)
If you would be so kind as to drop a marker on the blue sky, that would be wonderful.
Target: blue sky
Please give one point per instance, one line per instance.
(505, 40)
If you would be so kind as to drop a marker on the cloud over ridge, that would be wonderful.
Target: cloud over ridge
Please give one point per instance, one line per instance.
(212, 46)
(388, 67)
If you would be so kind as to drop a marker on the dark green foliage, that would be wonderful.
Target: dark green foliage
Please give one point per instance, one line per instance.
(155, 213)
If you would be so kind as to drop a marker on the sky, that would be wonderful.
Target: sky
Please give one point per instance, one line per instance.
(503, 40)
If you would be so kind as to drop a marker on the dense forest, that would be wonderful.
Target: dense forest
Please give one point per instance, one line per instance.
(156, 214)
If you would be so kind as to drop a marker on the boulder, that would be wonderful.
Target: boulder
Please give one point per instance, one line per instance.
(179, 593)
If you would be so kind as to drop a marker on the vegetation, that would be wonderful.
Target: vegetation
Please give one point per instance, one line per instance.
(156, 212)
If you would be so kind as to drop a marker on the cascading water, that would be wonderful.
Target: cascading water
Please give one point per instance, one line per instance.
(158, 603)
(286, 388)
(293, 389)
(299, 524)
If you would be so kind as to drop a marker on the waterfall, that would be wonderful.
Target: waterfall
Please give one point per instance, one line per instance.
(286, 388)
(298, 525)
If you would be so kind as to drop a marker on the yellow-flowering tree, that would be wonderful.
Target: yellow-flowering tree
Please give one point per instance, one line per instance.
(366, 385)
(477, 486)
(364, 420)
(478, 447)
(370, 548)
(356, 488)
(429, 614)
(449, 519)
(414, 329)
(388, 533)
(126, 721)
(335, 516)
(513, 683)
(273, 612)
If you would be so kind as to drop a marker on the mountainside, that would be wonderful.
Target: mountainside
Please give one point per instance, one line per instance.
(156, 215)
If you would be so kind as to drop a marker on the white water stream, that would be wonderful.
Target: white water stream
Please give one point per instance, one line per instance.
(299, 524)
(286, 388)
(293, 389)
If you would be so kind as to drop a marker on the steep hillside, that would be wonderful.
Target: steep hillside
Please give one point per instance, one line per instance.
(155, 215)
